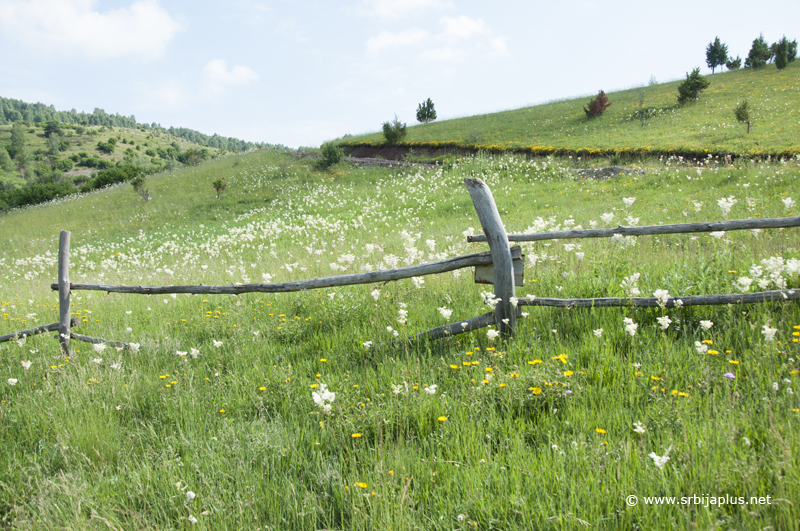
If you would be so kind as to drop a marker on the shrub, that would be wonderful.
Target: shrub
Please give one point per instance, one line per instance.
(109, 176)
(691, 88)
(597, 106)
(734, 64)
(62, 164)
(331, 155)
(105, 147)
(394, 131)
(219, 185)
(425, 112)
(742, 114)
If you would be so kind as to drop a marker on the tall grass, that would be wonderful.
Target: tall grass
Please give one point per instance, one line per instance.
(537, 433)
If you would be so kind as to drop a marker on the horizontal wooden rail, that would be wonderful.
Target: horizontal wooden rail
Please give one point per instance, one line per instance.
(429, 268)
(652, 302)
(675, 228)
(98, 340)
(38, 330)
(454, 329)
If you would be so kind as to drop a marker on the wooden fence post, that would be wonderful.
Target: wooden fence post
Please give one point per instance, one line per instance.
(505, 314)
(63, 291)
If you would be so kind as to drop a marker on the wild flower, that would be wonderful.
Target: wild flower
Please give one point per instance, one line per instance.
(664, 322)
(181, 353)
(628, 201)
(579, 255)
(190, 496)
(775, 386)
(266, 277)
(638, 427)
(598, 332)
(700, 347)
(660, 461)
(788, 203)
(492, 334)
(725, 204)
(418, 282)
(194, 353)
(629, 286)
(402, 316)
(769, 333)
(192, 519)
(729, 376)
(697, 205)
(431, 389)
(717, 234)
(367, 344)
(324, 398)
(743, 283)
(134, 347)
(706, 325)
(607, 217)
(662, 296)
(623, 241)
(99, 347)
(12, 381)
(445, 312)
(26, 364)
(97, 360)
(376, 294)
(216, 343)
(630, 326)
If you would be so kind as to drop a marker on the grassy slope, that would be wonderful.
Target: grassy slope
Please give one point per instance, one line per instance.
(87, 445)
(707, 124)
(35, 140)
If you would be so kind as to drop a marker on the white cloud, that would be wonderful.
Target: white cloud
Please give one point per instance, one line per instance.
(497, 47)
(463, 27)
(400, 8)
(71, 27)
(219, 77)
(443, 54)
(386, 39)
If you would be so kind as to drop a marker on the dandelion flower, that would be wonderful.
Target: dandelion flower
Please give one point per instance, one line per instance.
(601, 431)
(356, 436)
(442, 418)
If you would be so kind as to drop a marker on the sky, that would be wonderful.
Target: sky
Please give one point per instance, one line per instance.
(300, 73)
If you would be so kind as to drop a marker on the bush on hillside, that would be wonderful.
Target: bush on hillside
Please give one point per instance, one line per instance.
(331, 155)
(690, 89)
(34, 193)
(105, 147)
(394, 131)
(742, 114)
(597, 106)
(734, 64)
(114, 175)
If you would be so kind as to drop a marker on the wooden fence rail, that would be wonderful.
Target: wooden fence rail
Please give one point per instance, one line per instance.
(675, 228)
(34, 331)
(672, 302)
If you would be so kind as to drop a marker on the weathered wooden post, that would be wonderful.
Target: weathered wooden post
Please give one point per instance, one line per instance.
(63, 291)
(505, 315)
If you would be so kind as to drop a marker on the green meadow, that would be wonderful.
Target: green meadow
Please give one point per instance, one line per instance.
(313, 410)
(699, 127)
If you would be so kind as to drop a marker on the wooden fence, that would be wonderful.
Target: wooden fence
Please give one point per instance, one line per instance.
(501, 258)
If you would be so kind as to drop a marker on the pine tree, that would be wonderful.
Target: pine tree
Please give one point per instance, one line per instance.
(394, 131)
(791, 53)
(742, 114)
(734, 64)
(425, 112)
(597, 106)
(759, 54)
(691, 88)
(716, 54)
(5, 161)
(782, 53)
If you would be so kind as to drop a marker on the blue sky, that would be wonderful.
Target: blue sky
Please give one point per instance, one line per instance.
(303, 72)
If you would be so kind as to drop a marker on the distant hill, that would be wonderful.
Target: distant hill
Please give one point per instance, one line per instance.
(12, 110)
(644, 120)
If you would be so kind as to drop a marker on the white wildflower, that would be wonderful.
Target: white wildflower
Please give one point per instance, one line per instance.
(431, 389)
(376, 294)
(607, 217)
(418, 282)
(706, 325)
(660, 461)
(367, 344)
(630, 326)
(717, 234)
(598, 332)
(216, 343)
(323, 398)
(664, 322)
(492, 334)
(661, 296)
(190, 496)
(99, 347)
(701, 348)
(769, 333)
(725, 204)
(445, 312)
(639, 427)
(194, 353)
(26, 364)
(744, 283)
(788, 203)
(628, 201)
(12, 381)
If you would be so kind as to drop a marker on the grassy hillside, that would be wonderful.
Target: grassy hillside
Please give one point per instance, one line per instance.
(550, 431)
(136, 145)
(708, 124)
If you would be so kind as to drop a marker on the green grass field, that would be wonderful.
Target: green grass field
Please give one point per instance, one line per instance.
(706, 125)
(552, 430)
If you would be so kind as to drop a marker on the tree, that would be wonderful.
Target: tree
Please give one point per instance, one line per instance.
(394, 131)
(17, 140)
(734, 64)
(425, 112)
(782, 53)
(716, 54)
(6, 164)
(791, 52)
(759, 54)
(219, 185)
(597, 106)
(52, 128)
(691, 88)
(742, 114)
